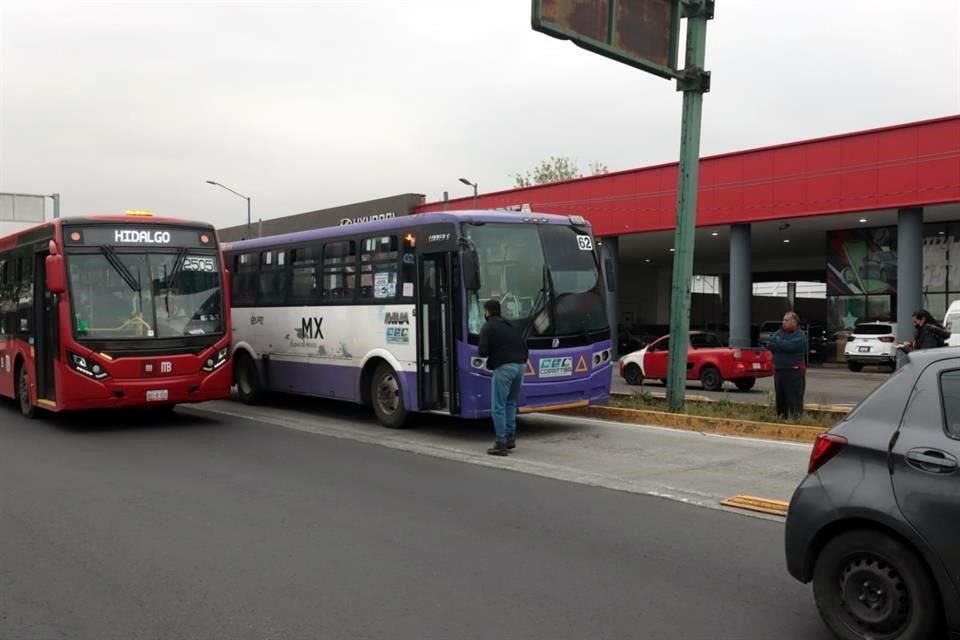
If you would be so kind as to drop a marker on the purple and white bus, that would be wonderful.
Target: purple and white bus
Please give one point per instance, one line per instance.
(387, 313)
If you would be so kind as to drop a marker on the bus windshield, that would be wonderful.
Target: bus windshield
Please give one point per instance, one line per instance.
(121, 295)
(512, 261)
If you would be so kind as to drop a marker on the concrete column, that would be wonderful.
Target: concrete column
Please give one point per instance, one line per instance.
(610, 263)
(792, 295)
(741, 285)
(909, 269)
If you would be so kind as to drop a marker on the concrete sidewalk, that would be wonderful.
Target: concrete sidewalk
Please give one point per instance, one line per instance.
(690, 467)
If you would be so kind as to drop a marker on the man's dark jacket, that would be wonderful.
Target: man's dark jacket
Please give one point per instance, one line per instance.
(502, 343)
(789, 349)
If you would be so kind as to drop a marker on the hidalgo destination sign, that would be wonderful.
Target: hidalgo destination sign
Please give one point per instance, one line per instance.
(641, 33)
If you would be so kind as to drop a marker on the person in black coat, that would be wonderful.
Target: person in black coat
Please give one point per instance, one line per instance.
(930, 334)
(505, 348)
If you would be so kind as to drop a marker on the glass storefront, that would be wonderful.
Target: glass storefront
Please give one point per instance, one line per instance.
(862, 274)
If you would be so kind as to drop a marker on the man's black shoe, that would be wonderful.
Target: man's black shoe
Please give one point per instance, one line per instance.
(511, 443)
(498, 449)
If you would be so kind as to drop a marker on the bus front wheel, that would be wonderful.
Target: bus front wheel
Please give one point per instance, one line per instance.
(27, 408)
(387, 398)
(247, 379)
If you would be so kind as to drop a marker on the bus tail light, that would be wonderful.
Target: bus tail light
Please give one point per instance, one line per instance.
(217, 360)
(87, 367)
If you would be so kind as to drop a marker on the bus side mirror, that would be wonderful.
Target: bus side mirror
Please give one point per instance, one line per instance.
(471, 270)
(56, 280)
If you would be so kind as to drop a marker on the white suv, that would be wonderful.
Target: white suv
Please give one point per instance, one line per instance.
(871, 343)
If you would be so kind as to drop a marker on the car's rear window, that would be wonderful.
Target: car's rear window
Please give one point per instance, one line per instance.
(872, 329)
(705, 341)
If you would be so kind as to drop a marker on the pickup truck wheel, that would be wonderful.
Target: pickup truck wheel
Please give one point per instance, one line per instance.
(632, 375)
(711, 379)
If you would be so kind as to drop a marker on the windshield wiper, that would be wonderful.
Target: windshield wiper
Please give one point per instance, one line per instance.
(542, 301)
(120, 268)
(125, 274)
(174, 272)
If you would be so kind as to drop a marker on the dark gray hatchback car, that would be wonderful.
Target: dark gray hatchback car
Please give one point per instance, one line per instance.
(875, 526)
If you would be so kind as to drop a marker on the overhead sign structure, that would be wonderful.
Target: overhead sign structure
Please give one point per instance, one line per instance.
(641, 33)
(645, 34)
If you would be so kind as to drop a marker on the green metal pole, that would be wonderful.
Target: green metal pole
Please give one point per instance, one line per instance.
(694, 83)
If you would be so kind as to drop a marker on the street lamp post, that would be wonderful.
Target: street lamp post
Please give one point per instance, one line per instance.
(474, 185)
(217, 184)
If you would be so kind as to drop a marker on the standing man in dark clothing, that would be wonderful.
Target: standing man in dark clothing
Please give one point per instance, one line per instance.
(789, 347)
(930, 335)
(505, 349)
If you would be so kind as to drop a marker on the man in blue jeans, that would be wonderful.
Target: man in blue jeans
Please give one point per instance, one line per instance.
(505, 349)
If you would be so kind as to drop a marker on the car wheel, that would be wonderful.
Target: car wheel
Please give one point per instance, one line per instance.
(745, 384)
(664, 381)
(27, 408)
(631, 374)
(711, 379)
(247, 378)
(856, 367)
(387, 398)
(869, 586)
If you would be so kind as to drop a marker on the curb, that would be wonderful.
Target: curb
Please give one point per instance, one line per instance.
(660, 395)
(703, 424)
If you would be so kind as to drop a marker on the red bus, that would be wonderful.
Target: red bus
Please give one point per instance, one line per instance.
(113, 311)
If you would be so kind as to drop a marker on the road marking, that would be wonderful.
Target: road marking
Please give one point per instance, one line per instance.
(760, 505)
(650, 487)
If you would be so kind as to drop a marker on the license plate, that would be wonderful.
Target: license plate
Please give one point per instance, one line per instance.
(864, 349)
(158, 395)
(756, 365)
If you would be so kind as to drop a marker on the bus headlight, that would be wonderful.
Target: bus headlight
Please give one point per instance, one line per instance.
(217, 360)
(601, 358)
(87, 367)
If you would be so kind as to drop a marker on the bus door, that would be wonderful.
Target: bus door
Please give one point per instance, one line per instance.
(435, 368)
(46, 329)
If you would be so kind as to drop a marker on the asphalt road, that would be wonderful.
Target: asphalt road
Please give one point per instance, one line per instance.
(202, 527)
(824, 386)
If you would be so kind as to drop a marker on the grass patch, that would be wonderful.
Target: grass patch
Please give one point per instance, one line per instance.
(725, 409)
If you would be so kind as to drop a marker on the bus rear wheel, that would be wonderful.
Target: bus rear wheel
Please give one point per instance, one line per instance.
(387, 397)
(247, 379)
(27, 408)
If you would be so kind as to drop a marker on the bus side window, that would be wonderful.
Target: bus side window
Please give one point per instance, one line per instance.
(339, 271)
(378, 270)
(304, 284)
(4, 297)
(406, 286)
(25, 298)
(272, 279)
(245, 280)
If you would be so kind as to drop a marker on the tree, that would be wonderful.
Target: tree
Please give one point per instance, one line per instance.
(555, 170)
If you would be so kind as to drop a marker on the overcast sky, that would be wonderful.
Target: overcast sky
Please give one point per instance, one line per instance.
(311, 104)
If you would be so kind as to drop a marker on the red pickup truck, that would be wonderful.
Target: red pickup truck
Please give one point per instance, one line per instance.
(707, 361)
